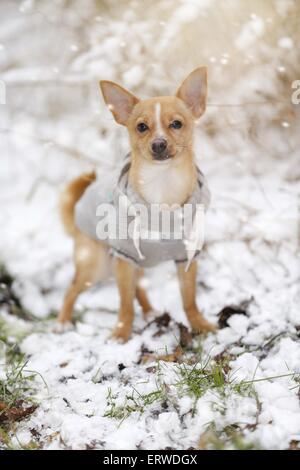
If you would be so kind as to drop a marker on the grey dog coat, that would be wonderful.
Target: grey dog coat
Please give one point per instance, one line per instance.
(132, 233)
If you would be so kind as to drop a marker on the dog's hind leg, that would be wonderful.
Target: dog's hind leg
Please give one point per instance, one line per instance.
(142, 297)
(79, 284)
(91, 265)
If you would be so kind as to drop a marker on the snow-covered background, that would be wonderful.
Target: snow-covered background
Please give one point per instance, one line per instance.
(54, 126)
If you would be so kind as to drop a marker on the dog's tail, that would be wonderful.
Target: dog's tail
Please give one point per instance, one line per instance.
(71, 194)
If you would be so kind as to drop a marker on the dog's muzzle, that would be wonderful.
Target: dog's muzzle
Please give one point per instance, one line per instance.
(159, 148)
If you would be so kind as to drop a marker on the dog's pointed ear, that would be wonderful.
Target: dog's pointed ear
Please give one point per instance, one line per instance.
(119, 101)
(193, 91)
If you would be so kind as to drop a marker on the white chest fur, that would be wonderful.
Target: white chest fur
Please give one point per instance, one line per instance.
(163, 183)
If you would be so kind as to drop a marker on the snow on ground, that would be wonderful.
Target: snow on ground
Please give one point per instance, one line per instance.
(93, 392)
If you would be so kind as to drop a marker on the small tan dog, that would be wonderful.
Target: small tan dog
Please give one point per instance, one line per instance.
(162, 171)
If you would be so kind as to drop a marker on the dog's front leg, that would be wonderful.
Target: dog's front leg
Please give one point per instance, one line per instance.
(187, 282)
(126, 277)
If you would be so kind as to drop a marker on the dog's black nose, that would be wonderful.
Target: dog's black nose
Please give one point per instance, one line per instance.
(159, 146)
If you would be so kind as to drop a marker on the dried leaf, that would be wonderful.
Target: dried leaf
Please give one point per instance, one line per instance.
(15, 413)
(230, 310)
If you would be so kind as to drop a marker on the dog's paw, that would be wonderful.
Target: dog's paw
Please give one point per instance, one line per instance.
(200, 325)
(60, 328)
(120, 333)
(152, 314)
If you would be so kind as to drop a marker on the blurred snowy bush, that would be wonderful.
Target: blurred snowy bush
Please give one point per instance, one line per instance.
(52, 55)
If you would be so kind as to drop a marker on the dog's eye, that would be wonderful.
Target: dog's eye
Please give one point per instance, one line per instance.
(142, 127)
(176, 124)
